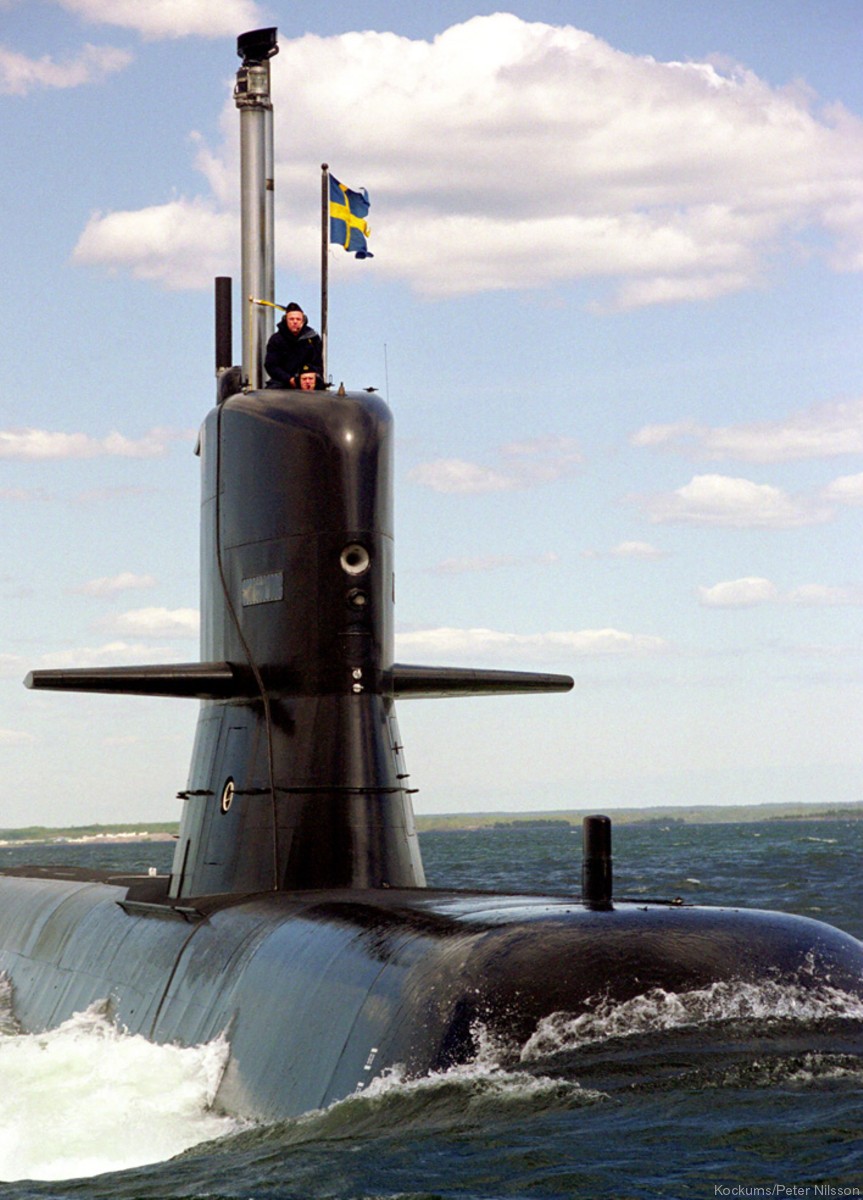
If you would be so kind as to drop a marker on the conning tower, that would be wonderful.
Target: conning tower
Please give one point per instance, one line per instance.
(297, 780)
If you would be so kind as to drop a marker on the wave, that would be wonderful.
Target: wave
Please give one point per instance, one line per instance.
(807, 1071)
(659, 1010)
(465, 1096)
(114, 1101)
(503, 1082)
(111, 1100)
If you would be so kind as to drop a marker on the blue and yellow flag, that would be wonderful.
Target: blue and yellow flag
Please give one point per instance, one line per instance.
(348, 224)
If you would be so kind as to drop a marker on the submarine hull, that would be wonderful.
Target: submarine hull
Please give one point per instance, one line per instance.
(319, 992)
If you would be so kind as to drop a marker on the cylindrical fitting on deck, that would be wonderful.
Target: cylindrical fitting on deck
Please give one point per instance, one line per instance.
(596, 877)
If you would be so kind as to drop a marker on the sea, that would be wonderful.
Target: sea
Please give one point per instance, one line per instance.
(730, 1091)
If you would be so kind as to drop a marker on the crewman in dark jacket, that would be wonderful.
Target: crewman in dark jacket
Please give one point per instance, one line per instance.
(308, 380)
(294, 345)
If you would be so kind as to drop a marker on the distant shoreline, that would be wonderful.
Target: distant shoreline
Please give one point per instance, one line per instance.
(99, 839)
(719, 814)
(700, 814)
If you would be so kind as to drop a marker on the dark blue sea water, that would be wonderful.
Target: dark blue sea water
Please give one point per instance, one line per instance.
(733, 1091)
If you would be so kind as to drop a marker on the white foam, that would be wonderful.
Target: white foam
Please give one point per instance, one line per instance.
(470, 1093)
(825, 1068)
(86, 1098)
(658, 1010)
(482, 1085)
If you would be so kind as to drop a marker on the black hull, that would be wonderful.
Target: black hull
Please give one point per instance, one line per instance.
(319, 992)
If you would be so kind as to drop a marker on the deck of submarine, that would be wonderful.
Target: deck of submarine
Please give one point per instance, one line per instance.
(149, 893)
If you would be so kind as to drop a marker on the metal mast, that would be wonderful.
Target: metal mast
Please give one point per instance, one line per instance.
(252, 98)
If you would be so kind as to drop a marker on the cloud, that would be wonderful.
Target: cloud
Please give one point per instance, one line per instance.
(467, 565)
(171, 18)
(491, 562)
(33, 444)
(455, 476)
(815, 650)
(823, 431)
(637, 550)
(540, 647)
(738, 593)
(754, 590)
(520, 465)
(642, 550)
(15, 737)
(110, 654)
(172, 244)
(847, 489)
(108, 585)
(819, 594)
(11, 665)
(23, 495)
(20, 75)
(107, 495)
(155, 622)
(664, 182)
(734, 503)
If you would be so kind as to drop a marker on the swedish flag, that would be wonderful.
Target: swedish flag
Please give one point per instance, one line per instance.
(348, 224)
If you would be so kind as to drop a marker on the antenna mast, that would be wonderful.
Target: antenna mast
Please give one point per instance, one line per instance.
(252, 98)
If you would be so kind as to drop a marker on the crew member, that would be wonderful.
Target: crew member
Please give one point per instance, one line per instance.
(294, 345)
(308, 379)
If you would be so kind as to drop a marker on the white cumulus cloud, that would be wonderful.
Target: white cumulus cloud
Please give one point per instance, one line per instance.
(661, 181)
(15, 737)
(51, 444)
(847, 489)
(823, 431)
(754, 590)
(519, 465)
(454, 475)
(738, 593)
(818, 594)
(171, 18)
(491, 562)
(639, 550)
(499, 646)
(109, 585)
(644, 550)
(734, 503)
(20, 75)
(171, 243)
(110, 654)
(12, 665)
(155, 622)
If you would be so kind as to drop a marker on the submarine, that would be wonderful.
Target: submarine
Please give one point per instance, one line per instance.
(296, 921)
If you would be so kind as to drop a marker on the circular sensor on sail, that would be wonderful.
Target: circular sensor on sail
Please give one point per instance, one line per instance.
(355, 559)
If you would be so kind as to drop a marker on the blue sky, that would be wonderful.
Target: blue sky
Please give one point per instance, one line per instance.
(615, 307)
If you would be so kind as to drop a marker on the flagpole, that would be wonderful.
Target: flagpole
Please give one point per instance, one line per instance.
(325, 260)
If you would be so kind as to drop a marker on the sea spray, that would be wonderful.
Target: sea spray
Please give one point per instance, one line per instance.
(86, 1098)
(467, 1096)
(657, 1009)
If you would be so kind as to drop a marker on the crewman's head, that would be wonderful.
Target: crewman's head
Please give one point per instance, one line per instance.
(308, 379)
(295, 318)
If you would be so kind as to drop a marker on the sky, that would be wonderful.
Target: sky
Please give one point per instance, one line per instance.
(615, 308)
